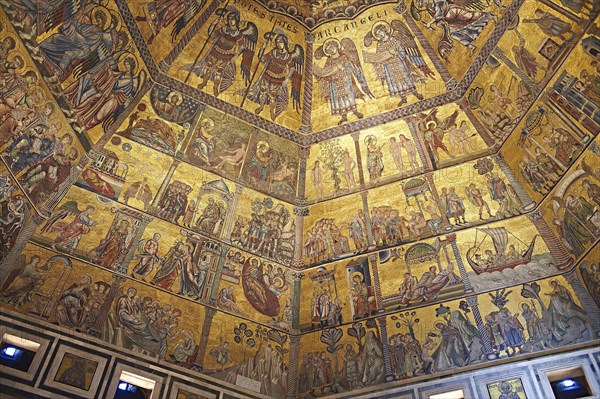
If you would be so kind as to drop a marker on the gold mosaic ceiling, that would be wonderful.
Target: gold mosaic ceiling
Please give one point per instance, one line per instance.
(254, 140)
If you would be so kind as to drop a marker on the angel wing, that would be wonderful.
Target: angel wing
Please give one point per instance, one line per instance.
(189, 14)
(250, 33)
(424, 118)
(350, 51)
(16, 270)
(449, 121)
(50, 19)
(297, 55)
(407, 41)
(65, 210)
(319, 53)
(157, 97)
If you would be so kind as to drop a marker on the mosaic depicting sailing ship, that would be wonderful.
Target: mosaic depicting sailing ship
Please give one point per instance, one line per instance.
(503, 258)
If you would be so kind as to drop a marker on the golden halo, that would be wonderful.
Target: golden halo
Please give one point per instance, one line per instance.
(377, 25)
(359, 274)
(370, 138)
(121, 62)
(326, 42)
(20, 70)
(116, 20)
(207, 122)
(107, 16)
(173, 94)
(35, 96)
(278, 282)
(261, 144)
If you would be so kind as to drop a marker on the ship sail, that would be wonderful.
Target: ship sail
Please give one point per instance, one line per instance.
(499, 237)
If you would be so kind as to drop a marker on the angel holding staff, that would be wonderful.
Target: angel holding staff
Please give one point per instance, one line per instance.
(235, 38)
(342, 78)
(397, 59)
(281, 65)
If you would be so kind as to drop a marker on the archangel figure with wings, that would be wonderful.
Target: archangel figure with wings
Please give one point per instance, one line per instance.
(235, 38)
(341, 77)
(282, 65)
(433, 131)
(397, 59)
(460, 20)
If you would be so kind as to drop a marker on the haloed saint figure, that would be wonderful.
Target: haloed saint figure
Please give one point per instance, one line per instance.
(342, 79)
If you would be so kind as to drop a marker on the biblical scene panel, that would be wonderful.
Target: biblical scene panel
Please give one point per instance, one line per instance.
(90, 227)
(89, 53)
(257, 289)
(589, 272)
(14, 209)
(576, 86)
(447, 136)
(536, 43)
(332, 168)
(219, 143)
(248, 355)
(542, 148)
(335, 229)
(271, 165)
(78, 296)
(125, 171)
(36, 139)
(497, 99)
(161, 120)
(572, 209)
(336, 294)
(199, 200)
(457, 29)
(389, 152)
(341, 359)
(265, 227)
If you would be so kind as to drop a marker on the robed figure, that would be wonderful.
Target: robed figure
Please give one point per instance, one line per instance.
(282, 65)
(236, 38)
(397, 59)
(342, 79)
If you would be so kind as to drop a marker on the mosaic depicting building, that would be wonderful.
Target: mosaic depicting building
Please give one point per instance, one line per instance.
(299, 199)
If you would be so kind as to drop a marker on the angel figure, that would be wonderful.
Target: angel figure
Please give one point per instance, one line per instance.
(460, 20)
(70, 233)
(341, 77)
(397, 59)
(282, 65)
(102, 94)
(235, 38)
(23, 281)
(433, 131)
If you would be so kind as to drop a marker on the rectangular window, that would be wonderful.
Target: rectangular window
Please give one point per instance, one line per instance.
(569, 384)
(456, 394)
(17, 352)
(132, 386)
